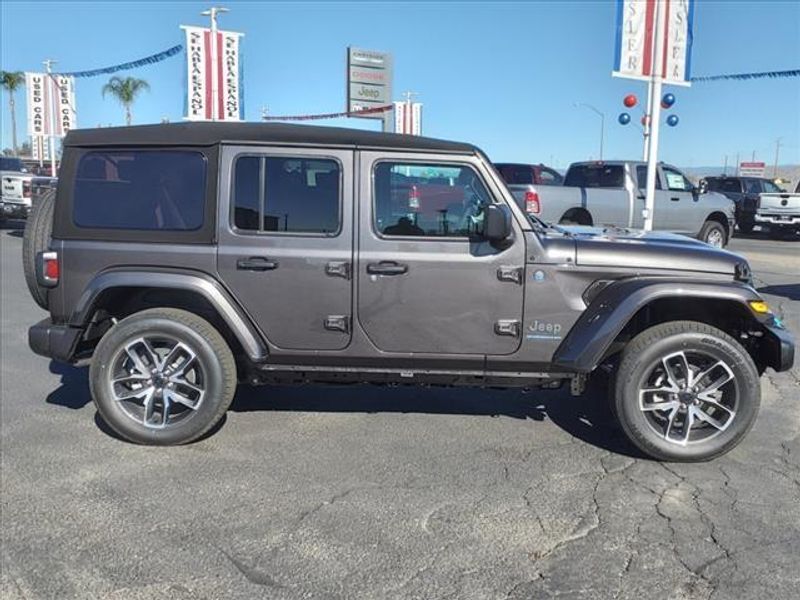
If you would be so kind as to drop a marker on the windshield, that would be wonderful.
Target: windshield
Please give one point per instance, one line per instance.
(11, 164)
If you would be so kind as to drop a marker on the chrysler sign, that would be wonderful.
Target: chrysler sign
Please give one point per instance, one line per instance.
(369, 81)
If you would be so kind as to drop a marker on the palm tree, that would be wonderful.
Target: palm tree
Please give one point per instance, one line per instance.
(11, 80)
(125, 90)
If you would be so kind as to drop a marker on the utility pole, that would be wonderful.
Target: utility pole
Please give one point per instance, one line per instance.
(264, 112)
(736, 166)
(777, 152)
(753, 159)
(725, 168)
(213, 12)
(602, 123)
(51, 108)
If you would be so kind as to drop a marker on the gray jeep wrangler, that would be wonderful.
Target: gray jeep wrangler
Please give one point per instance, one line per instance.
(181, 259)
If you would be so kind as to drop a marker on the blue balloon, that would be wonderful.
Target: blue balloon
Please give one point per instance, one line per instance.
(624, 118)
(668, 100)
(672, 120)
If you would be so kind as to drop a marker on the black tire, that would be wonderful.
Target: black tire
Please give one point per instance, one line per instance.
(644, 354)
(746, 226)
(714, 230)
(213, 360)
(36, 238)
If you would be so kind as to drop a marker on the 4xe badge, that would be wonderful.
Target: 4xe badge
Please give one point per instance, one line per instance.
(541, 330)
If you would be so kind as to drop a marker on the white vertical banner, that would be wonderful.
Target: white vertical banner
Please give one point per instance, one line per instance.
(416, 118)
(229, 69)
(213, 66)
(64, 101)
(36, 105)
(198, 59)
(678, 33)
(40, 148)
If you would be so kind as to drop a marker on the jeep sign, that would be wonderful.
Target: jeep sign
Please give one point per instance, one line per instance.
(369, 81)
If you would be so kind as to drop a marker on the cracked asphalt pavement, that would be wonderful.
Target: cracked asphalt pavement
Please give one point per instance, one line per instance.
(370, 492)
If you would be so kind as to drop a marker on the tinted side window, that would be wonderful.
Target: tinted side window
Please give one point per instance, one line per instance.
(516, 174)
(140, 190)
(438, 200)
(294, 195)
(731, 186)
(641, 178)
(596, 176)
(771, 188)
(753, 186)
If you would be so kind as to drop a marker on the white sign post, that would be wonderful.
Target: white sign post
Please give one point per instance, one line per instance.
(654, 44)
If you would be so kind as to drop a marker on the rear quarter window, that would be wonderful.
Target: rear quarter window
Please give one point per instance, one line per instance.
(595, 176)
(142, 190)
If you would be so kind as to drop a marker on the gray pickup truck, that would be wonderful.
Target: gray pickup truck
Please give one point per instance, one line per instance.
(611, 193)
(178, 260)
(779, 212)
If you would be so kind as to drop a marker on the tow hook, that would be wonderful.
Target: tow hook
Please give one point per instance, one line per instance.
(577, 385)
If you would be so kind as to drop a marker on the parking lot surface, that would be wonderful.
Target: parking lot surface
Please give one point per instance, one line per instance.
(372, 492)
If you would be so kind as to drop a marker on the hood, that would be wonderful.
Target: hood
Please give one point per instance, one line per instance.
(596, 246)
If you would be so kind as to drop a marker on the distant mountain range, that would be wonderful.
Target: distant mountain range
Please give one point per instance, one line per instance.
(789, 172)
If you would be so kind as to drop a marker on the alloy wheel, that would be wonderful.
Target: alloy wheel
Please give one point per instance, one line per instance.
(689, 397)
(158, 381)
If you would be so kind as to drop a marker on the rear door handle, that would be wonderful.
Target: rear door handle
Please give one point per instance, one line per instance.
(386, 267)
(675, 199)
(256, 263)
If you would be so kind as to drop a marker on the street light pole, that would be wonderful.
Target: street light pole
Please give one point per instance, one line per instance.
(51, 108)
(213, 12)
(777, 151)
(602, 123)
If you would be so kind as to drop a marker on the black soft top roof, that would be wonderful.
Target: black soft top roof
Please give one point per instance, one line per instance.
(211, 133)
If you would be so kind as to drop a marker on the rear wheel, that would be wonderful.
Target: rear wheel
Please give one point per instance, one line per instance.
(36, 239)
(162, 377)
(714, 234)
(686, 391)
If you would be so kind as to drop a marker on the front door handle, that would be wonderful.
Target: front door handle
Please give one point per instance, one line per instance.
(386, 267)
(675, 199)
(256, 263)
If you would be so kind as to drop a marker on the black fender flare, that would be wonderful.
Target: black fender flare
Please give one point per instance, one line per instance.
(596, 329)
(192, 281)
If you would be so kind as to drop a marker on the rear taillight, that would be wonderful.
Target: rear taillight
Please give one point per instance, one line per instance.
(49, 269)
(26, 189)
(532, 202)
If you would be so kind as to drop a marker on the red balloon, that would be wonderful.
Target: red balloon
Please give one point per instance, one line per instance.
(630, 100)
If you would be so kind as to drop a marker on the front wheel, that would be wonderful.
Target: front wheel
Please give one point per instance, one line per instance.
(714, 234)
(686, 391)
(162, 376)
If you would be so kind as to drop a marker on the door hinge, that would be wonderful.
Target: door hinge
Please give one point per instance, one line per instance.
(509, 327)
(337, 323)
(338, 268)
(513, 274)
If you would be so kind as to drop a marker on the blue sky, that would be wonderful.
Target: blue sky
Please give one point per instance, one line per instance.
(505, 76)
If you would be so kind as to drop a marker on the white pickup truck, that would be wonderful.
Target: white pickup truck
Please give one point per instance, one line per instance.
(16, 183)
(611, 193)
(779, 212)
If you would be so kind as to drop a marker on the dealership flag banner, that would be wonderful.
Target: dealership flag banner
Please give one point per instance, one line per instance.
(635, 48)
(214, 75)
(43, 92)
(40, 148)
(408, 118)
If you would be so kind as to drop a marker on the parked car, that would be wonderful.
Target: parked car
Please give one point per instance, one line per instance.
(745, 192)
(15, 202)
(180, 259)
(611, 193)
(523, 174)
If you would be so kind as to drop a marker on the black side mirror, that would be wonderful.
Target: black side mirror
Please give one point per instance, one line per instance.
(497, 222)
(702, 188)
